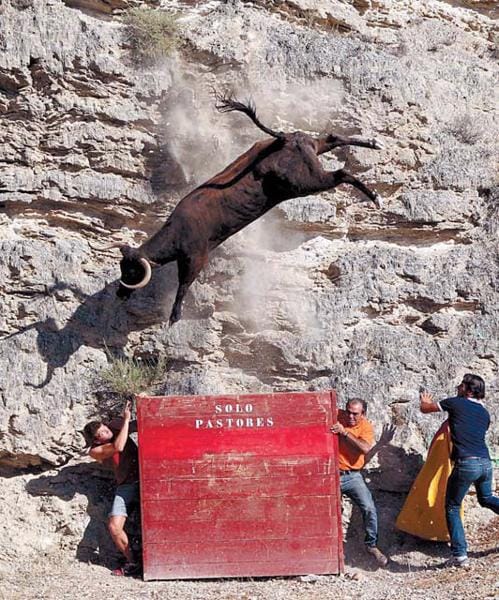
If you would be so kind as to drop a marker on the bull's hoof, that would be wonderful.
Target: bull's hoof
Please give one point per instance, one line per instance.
(378, 200)
(174, 317)
(377, 144)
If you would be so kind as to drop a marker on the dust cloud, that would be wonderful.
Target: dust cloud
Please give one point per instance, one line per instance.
(204, 141)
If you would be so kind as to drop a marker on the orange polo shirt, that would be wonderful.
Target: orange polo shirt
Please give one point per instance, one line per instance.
(349, 457)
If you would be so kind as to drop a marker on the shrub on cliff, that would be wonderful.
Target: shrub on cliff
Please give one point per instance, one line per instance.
(128, 376)
(152, 34)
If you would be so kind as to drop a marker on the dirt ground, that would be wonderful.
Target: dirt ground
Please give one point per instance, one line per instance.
(415, 572)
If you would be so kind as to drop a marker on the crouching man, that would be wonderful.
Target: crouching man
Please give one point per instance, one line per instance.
(356, 438)
(111, 445)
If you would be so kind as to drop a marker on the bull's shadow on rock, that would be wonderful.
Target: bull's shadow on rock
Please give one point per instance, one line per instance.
(102, 320)
(97, 485)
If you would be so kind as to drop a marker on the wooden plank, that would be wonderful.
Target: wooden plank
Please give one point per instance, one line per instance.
(236, 569)
(223, 487)
(335, 481)
(168, 527)
(247, 508)
(181, 442)
(314, 407)
(241, 551)
(242, 559)
(233, 465)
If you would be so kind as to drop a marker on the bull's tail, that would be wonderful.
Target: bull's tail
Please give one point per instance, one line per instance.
(226, 103)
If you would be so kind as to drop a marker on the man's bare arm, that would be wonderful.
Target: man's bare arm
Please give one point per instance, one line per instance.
(102, 452)
(426, 403)
(121, 438)
(355, 442)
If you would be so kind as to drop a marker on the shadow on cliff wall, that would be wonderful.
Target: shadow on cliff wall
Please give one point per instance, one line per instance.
(97, 485)
(102, 320)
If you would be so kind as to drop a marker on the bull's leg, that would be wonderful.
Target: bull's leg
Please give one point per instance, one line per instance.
(351, 180)
(329, 142)
(327, 180)
(188, 270)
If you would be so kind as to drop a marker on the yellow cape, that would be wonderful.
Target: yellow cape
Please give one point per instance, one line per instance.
(423, 513)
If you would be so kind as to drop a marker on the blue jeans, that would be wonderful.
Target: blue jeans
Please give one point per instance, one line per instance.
(353, 486)
(467, 471)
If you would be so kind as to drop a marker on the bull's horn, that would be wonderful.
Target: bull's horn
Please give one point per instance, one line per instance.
(145, 281)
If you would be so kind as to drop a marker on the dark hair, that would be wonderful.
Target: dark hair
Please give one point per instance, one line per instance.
(475, 385)
(89, 431)
(363, 403)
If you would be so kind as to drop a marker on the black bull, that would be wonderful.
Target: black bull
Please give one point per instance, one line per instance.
(270, 172)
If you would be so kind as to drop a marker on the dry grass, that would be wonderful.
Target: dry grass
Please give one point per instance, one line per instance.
(152, 34)
(127, 376)
(467, 129)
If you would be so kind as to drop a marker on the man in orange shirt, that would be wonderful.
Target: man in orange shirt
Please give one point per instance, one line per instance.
(356, 438)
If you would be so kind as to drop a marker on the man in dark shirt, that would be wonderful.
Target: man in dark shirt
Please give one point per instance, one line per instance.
(468, 421)
(111, 445)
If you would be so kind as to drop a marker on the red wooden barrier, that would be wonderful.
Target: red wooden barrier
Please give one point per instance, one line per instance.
(236, 486)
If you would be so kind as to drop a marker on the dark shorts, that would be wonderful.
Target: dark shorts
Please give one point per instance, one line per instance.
(125, 497)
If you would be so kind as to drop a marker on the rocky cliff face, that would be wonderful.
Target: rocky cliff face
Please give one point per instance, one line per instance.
(322, 292)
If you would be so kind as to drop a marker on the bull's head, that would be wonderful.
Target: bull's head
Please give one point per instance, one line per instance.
(135, 272)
